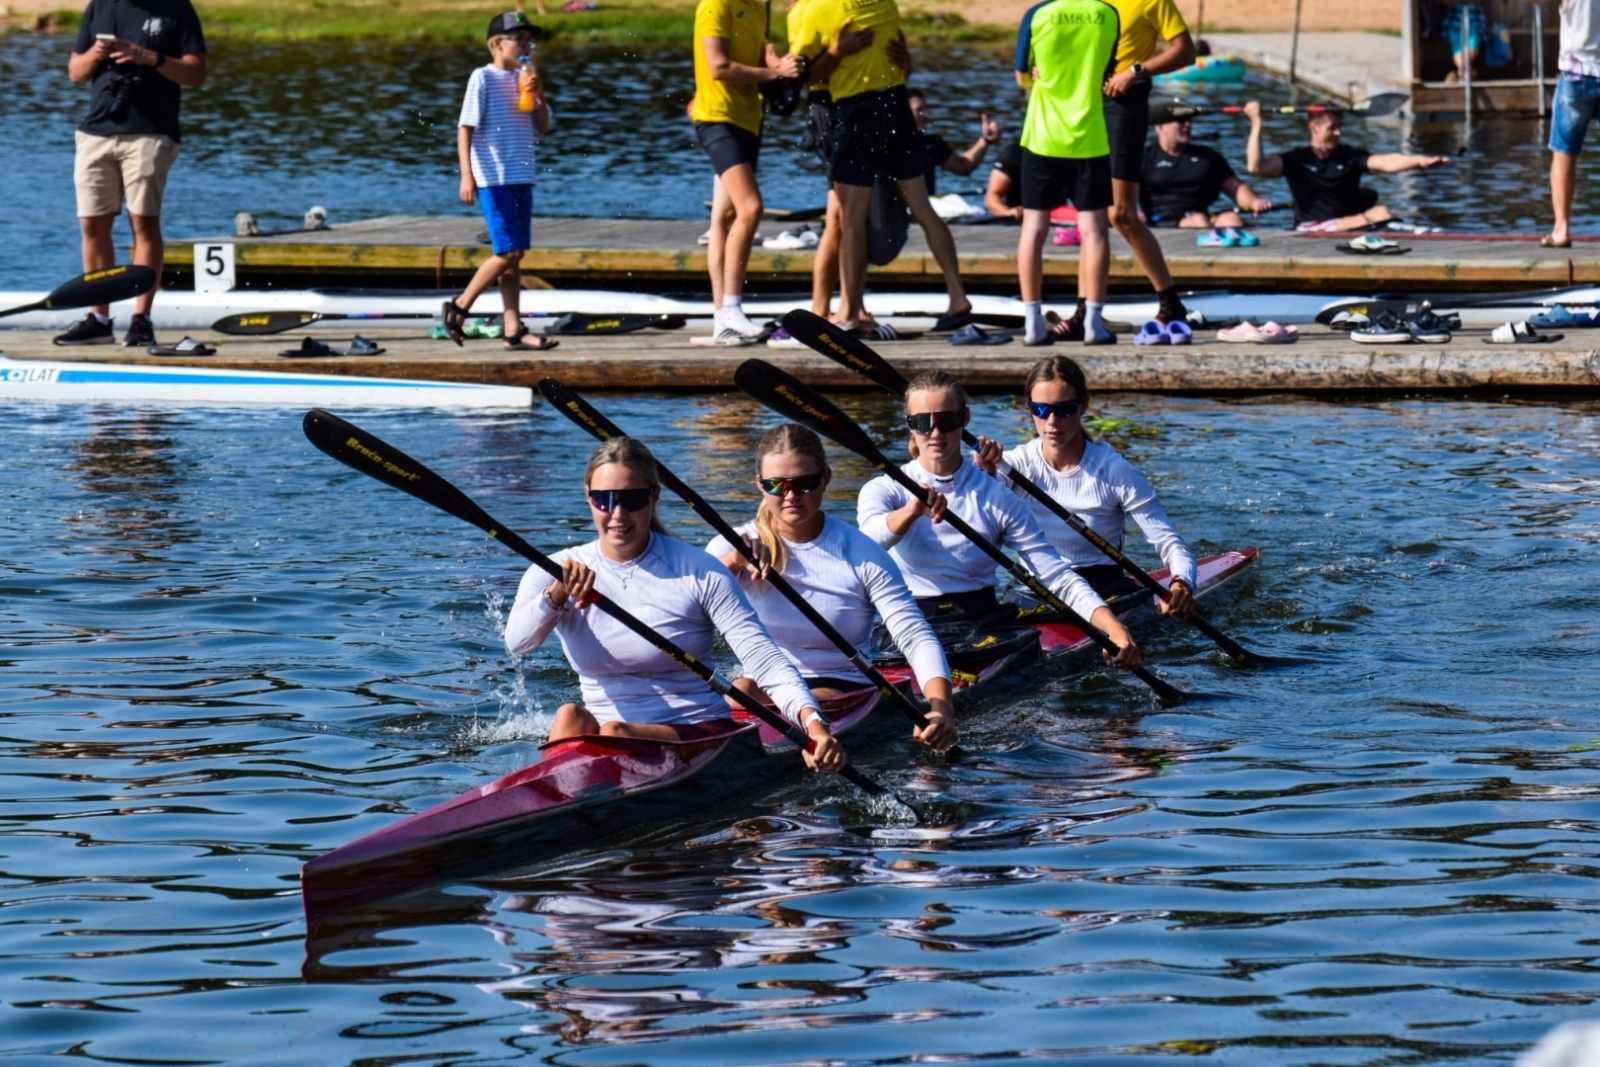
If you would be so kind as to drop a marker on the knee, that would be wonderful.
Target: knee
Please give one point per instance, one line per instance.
(1122, 216)
(512, 258)
(1379, 213)
(146, 227)
(614, 728)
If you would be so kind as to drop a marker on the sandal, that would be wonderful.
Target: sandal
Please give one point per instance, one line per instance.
(1550, 242)
(455, 322)
(361, 346)
(186, 347)
(309, 348)
(518, 342)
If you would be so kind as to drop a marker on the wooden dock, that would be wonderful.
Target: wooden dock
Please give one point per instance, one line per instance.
(1323, 361)
(662, 255)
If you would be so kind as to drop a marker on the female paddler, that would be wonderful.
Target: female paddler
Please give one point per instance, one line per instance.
(950, 576)
(631, 689)
(1092, 481)
(839, 571)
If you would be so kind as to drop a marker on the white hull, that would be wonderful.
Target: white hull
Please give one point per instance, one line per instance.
(130, 383)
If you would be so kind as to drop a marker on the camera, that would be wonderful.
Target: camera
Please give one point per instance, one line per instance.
(123, 83)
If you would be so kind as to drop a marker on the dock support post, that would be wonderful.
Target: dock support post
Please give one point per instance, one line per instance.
(1466, 65)
(1538, 55)
(1294, 43)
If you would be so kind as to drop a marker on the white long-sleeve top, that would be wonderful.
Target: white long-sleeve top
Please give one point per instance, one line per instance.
(937, 560)
(844, 575)
(1102, 490)
(678, 591)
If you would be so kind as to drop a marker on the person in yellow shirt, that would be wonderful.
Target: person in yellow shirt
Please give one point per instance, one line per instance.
(731, 60)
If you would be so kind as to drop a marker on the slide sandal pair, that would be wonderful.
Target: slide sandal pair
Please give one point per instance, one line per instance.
(977, 335)
(311, 348)
(1519, 333)
(186, 347)
(1229, 237)
(1372, 245)
(1270, 333)
(1156, 332)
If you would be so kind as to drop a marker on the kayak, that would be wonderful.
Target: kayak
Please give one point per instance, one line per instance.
(1206, 70)
(583, 789)
(75, 382)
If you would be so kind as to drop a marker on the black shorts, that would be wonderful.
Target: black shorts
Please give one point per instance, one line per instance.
(727, 145)
(874, 136)
(818, 134)
(1049, 181)
(1127, 125)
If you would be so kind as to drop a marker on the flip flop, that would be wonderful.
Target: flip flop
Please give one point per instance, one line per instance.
(881, 332)
(1523, 333)
(976, 335)
(186, 347)
(1178, 332)
(310, 348)
(360, 346)
(1372, 245)
(950, 323)
(1550, 242)
(1153, 332)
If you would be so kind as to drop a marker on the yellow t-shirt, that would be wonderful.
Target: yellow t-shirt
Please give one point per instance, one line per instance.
(1145, 23)
(743, 24)
(867, 70)
(801, 38)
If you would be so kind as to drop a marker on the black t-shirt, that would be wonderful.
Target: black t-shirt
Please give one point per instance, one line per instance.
(1009, 162)
(150, 101)
(1325, 188)
(933, 150)
(1175, 186)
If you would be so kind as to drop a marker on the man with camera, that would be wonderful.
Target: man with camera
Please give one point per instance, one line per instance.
(136, 56)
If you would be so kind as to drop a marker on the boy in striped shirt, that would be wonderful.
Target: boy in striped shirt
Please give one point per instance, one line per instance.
(494, 141)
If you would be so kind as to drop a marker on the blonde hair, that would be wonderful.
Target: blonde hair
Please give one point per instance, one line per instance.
(786, 439)
(932, 381)
(634, 455)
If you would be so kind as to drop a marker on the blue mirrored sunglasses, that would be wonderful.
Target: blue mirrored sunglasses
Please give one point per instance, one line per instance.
(1061, 409)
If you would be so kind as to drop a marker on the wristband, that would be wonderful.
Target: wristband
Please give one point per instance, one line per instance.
(813, 714)
(551, 603)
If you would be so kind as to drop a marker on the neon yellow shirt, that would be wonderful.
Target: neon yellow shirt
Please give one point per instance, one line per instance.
(1145, 24)
(1069, 43)
(866, 70)
(743, 24)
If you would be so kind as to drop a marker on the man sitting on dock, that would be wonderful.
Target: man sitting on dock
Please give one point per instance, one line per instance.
(1325, 176)
(1183, 179)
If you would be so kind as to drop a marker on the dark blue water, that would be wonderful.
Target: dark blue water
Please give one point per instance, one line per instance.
(225, 654)
(368, 128)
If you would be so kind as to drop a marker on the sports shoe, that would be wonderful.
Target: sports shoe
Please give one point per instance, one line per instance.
(724, 338)
(735, 319)
(87, 331)
(781, 338)
(1428, 327)
(141, 334)
(1386, 329)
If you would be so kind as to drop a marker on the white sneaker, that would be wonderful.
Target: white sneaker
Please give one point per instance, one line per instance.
(735, 319)
(787, 241)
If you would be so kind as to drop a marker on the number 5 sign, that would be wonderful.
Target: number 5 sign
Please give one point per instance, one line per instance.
(213, 268)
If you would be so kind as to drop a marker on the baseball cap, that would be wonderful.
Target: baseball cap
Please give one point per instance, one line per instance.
(512, 22)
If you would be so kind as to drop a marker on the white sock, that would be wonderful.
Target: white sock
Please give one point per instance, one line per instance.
(104, 320)
(1093, 325)
(733, 303)
(1035, 327)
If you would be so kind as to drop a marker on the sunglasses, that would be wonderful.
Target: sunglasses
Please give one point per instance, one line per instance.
(1063, 409)
(804, 485)
(928, 421)
(608, 500)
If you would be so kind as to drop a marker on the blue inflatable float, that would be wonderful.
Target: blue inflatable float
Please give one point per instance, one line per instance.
(1207, 70)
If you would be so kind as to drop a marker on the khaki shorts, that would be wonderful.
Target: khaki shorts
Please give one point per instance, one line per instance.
(125, 166)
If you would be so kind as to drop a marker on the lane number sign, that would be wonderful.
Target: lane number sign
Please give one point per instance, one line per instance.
(213, 268)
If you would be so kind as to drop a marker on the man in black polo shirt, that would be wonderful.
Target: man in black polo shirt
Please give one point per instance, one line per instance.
(936, 151)
(1182, 180)
(1003, 195)
(1325, 176)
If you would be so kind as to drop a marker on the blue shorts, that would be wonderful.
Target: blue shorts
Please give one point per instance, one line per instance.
(1577, 101)
(508, 209)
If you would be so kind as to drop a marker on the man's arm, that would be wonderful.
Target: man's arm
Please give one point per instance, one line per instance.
(967, 162)
(1395, 162)
(1178, 53)
(1240, 193)
(187, 70)
(1262, 166)
(469, 185)
(724, 69)
(846, 42)
(994, 196)
(82, 65)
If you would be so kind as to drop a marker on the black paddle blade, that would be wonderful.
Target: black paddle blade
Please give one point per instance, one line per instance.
(96, 287)
(793, 398)
(257, 323)
(576, 324)
(578, 410)
(844, 348)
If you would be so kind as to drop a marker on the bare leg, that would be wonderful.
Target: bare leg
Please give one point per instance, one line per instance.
(1228, 220)
(1094, 256)
(1563, 177)
(98, 253)
(1030, 253)
(721, 222)
(571, 720)
(511, 293)
(914, 191)
(825, 267)
(148, 251)
(488, 272)
(1124, 216)
(855, 203)
(744, 196)
(1194, 220)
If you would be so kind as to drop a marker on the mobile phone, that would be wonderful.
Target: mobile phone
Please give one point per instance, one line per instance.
(105, 37)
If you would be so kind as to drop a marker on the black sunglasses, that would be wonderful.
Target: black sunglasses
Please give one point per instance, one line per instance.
(608, 500)
(800, 486)
(928, 421)
(1061, 409)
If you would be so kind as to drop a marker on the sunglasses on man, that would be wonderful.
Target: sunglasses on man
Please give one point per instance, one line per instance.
(608, 500)
(929, 421)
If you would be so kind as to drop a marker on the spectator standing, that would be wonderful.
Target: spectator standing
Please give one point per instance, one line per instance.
(137, 56)
(1577, 101)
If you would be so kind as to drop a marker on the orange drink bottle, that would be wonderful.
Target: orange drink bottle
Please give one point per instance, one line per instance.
(527, 100)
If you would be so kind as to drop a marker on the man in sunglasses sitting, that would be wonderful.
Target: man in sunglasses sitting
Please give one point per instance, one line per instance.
(1183, 179)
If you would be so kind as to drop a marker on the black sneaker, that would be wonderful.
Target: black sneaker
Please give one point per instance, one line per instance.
(87, 331)
(140, 333)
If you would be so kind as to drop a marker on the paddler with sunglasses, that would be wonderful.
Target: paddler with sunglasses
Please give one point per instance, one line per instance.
(629, 687)
(1094, 482)
(839, 571)
(949, 576)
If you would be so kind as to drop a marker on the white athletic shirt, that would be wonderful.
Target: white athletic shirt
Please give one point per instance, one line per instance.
(502, 136)
(844, 575)
(1102, 490)
(935, 559)
(1580, 37)
(678, 591)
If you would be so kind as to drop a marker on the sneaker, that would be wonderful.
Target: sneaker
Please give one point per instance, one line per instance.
(141, 334)
(781, 338)
(87, 331)
(735, 319)
(1386, 329)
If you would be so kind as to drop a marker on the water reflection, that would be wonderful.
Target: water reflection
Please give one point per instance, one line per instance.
(129, 468)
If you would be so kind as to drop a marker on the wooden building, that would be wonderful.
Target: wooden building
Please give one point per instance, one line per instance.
(1528, 48)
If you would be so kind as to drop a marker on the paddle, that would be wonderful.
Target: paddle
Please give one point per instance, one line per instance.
(793, 398)
(845, 348)
(585, 415)
(96, 287)
(1169, 108)
(258, 323)
(372, 456)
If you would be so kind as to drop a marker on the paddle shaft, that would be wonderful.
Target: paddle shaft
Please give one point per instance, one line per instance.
(585, 415)
(1376, 106)
(372, 456)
